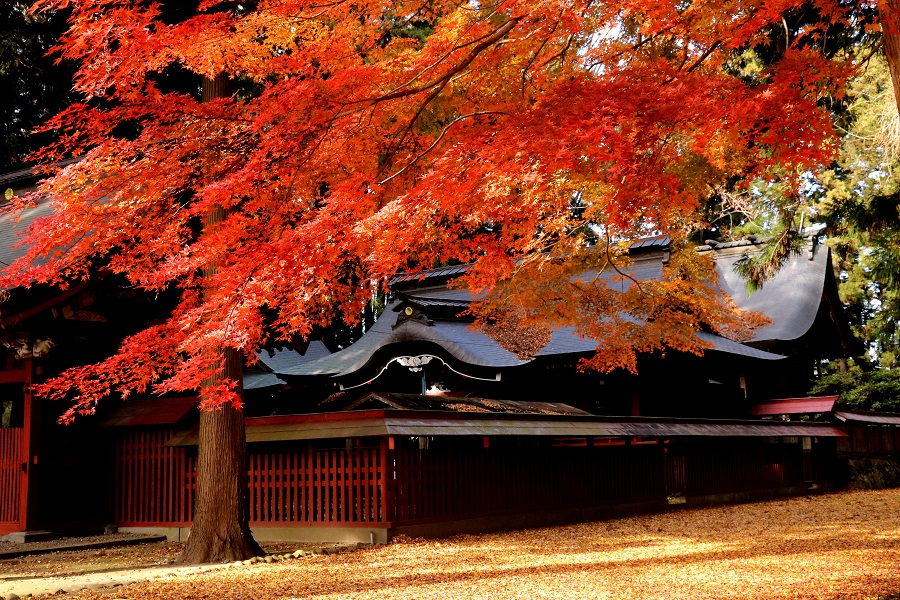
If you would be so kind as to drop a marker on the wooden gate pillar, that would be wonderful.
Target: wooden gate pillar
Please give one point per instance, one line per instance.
(28, 513)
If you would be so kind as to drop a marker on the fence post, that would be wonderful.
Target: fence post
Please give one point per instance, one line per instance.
(385, 471)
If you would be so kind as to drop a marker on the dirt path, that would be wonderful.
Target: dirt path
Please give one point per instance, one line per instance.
(830, 547)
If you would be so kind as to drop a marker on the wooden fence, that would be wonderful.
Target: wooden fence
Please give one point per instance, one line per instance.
(154, 484)
(10, 474)
(463, 480)
(869, 439)
(404, 482)
(738, 465)
(316, 486)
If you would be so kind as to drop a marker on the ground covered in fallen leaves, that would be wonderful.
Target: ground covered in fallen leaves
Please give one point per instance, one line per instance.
(844, 545)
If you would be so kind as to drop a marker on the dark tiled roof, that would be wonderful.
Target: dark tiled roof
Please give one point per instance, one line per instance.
(721, 344)
(455, 337)
(259, 381)
(791, 299)
(430, 274)
(467, 345)
(30, 174)
(11, 229)
(279, 359)
(858, 416)
(427, 302)
(457, 404)
(659, 242)
(7, 179)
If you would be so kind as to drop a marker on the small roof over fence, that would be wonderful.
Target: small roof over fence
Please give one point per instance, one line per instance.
(381, 423)
(150, 411)
(795, 406)
(856, 416)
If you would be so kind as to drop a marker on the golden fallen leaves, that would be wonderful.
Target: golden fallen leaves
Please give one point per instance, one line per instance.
(835, 546)
(71, 562)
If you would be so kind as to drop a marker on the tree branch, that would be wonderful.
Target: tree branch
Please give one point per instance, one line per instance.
(437, 141)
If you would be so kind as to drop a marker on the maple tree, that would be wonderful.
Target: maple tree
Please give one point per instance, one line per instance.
(368, 137)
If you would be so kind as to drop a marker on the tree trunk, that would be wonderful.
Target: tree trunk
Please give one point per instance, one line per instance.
(221, 530)
(221, 526)
(889, 14)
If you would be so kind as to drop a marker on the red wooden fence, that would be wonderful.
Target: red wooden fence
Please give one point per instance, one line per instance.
(154, 483)
(869, 439)
(305, 483)
(465, 481)
(321, 486)
(10, 474)
(714, 467)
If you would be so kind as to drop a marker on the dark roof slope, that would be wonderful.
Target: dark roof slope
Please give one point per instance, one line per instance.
(466, 344)
(858, 416)
(459, 404)
(283, 358)
(791, 299)
(12, 228)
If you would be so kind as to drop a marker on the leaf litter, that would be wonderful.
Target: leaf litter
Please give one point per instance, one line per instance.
(835, 546)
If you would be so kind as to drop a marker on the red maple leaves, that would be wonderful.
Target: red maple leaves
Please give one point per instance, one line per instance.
(373, 136)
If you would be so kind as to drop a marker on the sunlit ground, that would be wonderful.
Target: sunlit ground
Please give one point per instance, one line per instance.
(844, 545)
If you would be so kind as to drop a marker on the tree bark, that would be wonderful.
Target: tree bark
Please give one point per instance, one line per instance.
(221, 525)
(221, 530)
(889, 14)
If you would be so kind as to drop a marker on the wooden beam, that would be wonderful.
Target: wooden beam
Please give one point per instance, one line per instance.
(15, 319)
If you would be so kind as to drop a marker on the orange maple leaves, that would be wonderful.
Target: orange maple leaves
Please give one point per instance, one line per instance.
(372, 136)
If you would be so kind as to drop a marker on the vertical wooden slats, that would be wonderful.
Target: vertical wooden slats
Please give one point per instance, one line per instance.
(305, 484)
(154, 483)
(10, 473)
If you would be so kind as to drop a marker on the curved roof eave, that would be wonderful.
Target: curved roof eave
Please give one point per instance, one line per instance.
(791, 299)
(456, 338)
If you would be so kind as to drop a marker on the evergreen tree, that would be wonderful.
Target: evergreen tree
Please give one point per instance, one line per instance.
(34, 86)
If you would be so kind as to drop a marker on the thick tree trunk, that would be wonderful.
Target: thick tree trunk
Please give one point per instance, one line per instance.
(889, 13)
(221, 526)
(221, 531)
